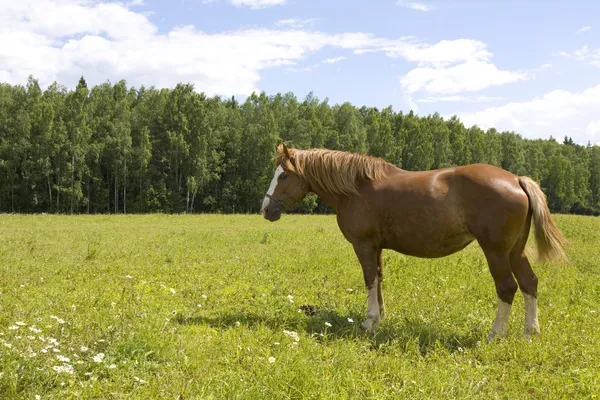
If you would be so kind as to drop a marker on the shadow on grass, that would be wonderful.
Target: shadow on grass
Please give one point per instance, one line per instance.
(390, 333)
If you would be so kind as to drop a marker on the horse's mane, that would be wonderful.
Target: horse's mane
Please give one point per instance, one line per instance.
(334, 171)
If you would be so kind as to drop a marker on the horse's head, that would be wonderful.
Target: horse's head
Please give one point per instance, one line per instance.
(287, 187)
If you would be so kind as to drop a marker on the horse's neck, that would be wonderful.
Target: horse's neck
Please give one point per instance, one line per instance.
(327, 197)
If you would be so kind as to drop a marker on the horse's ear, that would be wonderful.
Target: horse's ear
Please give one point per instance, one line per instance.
(286, 152)
(282, 149)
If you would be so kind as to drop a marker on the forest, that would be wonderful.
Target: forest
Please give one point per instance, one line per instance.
(118, 149)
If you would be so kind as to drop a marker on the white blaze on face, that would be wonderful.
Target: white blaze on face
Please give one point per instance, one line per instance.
(272, 187)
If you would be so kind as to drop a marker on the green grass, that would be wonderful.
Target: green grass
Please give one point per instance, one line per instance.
(196, 306)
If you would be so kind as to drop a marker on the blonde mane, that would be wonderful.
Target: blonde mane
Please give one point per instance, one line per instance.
(334, 171)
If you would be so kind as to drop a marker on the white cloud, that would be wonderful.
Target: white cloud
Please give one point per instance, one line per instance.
(469, 76)
(257, 4)
(315, 66)
(462, 99)
(562, 54)
(588, 56)
(295, 23)
(62, 40)
(443, 53)
(584, 55)
(414, 5)
(449, 68)
(583, 29)
(333, 60)
(557, 113)
(546, 66)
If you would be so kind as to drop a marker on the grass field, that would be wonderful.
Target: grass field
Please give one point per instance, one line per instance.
(167, 307)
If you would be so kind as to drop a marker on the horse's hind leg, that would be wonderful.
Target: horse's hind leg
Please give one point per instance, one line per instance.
(506, 287)
(527, 280)
(368, 257)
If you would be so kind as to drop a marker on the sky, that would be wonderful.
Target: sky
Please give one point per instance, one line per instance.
(529, 66)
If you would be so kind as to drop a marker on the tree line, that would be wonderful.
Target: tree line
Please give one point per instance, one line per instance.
(118, 149)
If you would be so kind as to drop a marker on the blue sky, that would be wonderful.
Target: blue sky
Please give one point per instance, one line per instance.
(531, 66)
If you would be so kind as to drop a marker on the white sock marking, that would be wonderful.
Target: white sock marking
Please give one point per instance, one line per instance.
(272, 187)
(372, 307)
(501, 323)
(531, 314)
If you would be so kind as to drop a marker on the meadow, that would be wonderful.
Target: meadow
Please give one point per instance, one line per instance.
(214, 307)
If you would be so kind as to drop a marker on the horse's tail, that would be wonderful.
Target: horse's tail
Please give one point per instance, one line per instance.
(548, 237)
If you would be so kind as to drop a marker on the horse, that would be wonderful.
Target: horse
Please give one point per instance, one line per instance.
(427, 214)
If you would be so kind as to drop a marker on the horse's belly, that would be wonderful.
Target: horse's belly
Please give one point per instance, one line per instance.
(430, 245)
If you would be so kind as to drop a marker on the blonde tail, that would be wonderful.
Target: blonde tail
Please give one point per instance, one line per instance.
(548, 237)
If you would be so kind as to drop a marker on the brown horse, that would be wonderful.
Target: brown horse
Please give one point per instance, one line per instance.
(425, 214)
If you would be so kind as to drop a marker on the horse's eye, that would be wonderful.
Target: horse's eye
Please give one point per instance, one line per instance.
(282, 176)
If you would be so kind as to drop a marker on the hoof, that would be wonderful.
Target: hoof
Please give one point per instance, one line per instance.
(370, 324)
(493, 335)
(529, 333)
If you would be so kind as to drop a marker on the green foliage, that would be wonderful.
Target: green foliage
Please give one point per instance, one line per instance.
(114, 149)
(195, 306)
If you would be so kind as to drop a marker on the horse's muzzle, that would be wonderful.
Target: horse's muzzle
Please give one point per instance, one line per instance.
(272, 213)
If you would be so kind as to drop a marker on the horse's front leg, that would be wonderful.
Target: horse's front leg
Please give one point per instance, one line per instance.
(379, 283)
(368, 256)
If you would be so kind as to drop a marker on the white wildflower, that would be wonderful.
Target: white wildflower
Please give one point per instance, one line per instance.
(83, 349)
(20, 323)
(38, 397)
(99, 357)
(272, 359)
(237, 323)
(13, 327)
(139, 380)
(291, 298)
(327, 324)
(350, 320)
(62, 358)
(7, 345)
(34, 329)
(112, 366)
(293, 335)
(87, 373)
(172, 291)
(59, 320)
(65, 368)
(128, 276)
(204, 297)
(43, 350)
